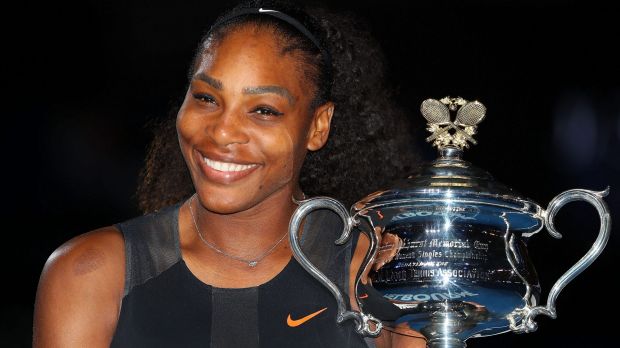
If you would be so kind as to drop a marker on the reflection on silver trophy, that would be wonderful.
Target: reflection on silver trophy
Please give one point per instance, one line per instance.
(448, 252)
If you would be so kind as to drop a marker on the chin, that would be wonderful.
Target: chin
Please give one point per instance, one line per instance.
(226, 206)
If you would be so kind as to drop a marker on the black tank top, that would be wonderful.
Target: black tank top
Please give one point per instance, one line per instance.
(165, 305)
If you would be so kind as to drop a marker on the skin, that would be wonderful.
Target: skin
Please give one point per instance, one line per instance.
(249, 104)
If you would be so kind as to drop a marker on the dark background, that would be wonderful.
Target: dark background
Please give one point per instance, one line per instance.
(81, 80)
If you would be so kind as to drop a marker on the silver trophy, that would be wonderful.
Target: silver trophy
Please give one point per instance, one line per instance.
(448, 247)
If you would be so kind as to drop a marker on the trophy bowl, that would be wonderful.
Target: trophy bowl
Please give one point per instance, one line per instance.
(448, 253)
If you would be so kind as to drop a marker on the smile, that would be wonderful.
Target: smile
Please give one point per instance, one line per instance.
(227, 166)
(224, 171)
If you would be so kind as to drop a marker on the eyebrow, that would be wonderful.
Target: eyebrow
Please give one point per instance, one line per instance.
(215, 83)
(281, 91)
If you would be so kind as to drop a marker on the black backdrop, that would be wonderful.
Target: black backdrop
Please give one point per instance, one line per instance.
(83, 78)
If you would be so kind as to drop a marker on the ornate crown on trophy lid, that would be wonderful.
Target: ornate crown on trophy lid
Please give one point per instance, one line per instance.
(447, 133)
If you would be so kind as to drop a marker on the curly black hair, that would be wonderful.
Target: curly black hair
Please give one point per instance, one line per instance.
(370, 139)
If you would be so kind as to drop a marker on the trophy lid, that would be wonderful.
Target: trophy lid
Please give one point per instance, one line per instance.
(450, 180)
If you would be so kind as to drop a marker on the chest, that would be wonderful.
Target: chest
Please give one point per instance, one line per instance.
(176, 309)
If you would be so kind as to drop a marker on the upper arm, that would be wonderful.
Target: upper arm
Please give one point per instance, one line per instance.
(80, 291)
(361, 247)
(395, 337)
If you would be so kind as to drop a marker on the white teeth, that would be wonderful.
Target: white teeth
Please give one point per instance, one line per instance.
(226, 166)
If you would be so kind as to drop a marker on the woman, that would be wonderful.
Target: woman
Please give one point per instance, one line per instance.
(215, 268)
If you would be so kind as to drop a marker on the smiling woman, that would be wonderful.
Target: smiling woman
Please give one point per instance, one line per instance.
(209, 264)
(241, 112)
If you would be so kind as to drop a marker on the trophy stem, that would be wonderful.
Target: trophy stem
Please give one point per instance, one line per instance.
(446, 342)
(446, 325)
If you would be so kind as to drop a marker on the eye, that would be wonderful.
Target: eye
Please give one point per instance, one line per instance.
(267, 111)
(204, 98)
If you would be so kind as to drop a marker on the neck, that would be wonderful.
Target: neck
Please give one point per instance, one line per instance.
(247, 233)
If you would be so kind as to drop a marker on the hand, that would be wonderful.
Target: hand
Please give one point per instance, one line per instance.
(389, 246)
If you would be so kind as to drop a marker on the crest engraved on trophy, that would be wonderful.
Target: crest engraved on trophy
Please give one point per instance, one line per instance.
(448, 247)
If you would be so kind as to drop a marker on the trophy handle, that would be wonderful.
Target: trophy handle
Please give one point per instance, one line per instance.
(305, 207)
(594, 198)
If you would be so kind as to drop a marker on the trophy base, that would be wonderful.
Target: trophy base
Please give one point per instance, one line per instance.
(445, 342)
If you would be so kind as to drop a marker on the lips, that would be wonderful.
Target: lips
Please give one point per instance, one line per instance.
(224, 170)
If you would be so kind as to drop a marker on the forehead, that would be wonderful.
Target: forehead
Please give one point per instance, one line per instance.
(255, 56)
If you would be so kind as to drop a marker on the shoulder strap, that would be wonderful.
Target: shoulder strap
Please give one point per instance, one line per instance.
(151, 245)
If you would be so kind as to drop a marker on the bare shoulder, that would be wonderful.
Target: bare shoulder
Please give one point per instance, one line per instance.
(80, 291)
(94, 252)
(96, 255)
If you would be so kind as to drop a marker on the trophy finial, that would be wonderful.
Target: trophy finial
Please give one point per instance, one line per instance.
(468, 115)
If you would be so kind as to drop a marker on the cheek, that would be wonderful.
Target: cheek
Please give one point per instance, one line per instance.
(289, 165)
(285, 154)
(187, 128)
(188, 132)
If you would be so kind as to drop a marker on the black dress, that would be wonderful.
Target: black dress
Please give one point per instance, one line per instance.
(165, 305)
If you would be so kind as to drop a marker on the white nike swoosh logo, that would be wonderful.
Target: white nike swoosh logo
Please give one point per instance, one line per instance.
(261, 10)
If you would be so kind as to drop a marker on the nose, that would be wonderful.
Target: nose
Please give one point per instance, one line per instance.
(228, 128)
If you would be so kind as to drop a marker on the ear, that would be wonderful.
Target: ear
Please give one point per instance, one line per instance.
(319, 126)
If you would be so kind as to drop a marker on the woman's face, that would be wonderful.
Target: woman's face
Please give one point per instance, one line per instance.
(245, 124)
